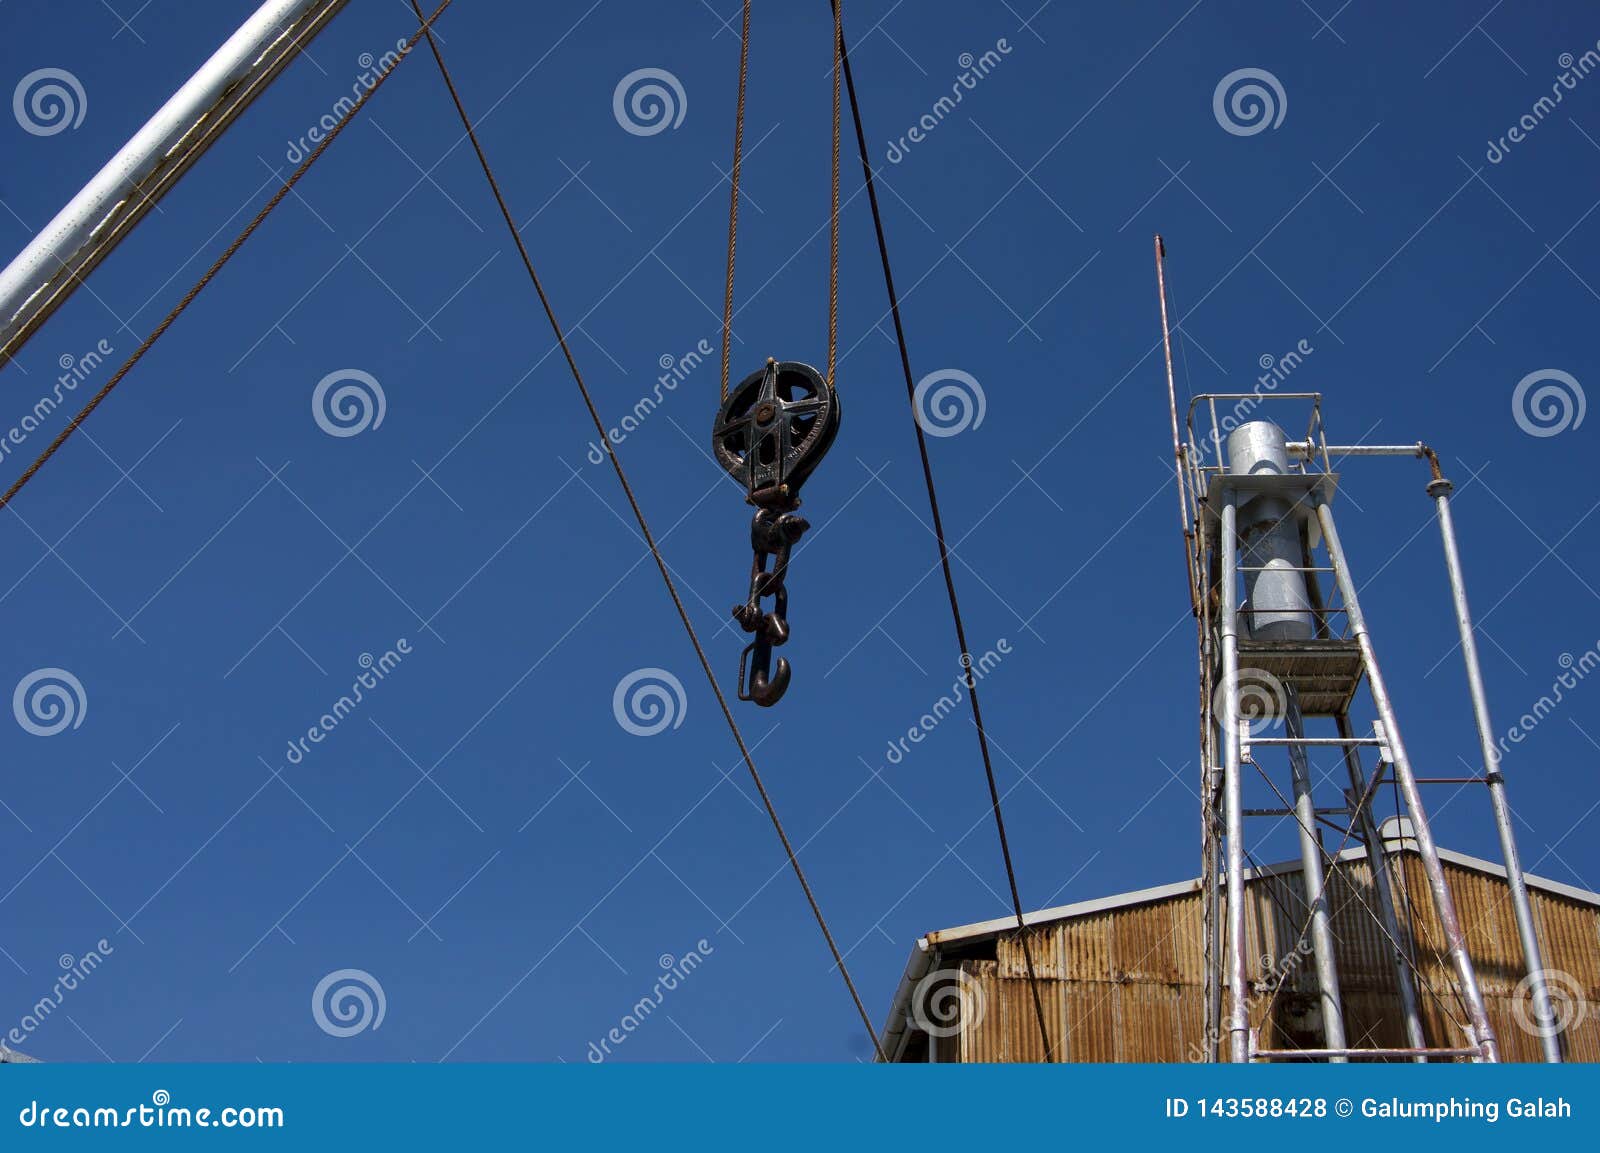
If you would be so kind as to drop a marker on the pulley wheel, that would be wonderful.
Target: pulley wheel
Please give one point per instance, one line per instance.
(775, 426)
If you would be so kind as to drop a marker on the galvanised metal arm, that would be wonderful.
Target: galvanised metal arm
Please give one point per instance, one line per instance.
(1306, 449)
(1232, 784)
(1549, 1032)
(50, 268)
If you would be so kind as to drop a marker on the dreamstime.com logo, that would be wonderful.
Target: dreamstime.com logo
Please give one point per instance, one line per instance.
(675, 971)
(1573, 69)
(49, 100)
(75, 971)
(373, 671)
(1263, 700)
(347, 1002)
(973, 69)
(1276, 370)
(675, 370)
(1248, 101)
(648, 101)
(948, 402)
(1548, 402)
(900, 748)
(1275, 974)
(347, 402)
(1567, 1003)
(74, 371)
(647, 701)
(161, 1113)
(946, 1001)
(48, 701)
(1573, 672)
(372, 69)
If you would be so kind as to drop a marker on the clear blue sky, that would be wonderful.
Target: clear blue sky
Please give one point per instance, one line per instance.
(211, 565)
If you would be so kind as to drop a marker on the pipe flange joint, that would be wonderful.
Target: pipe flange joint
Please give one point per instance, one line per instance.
(1440, 487)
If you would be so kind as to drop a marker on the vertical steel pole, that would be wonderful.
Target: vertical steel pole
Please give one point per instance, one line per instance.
(1311, 856)
(1444, 903)
(1378, 860)
(1212, 898)
(1238, 1010)
(1218, 898)
(1216, 904)
(1549, 1032)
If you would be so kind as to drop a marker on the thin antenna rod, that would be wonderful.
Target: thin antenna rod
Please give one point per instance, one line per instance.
(1177, 446)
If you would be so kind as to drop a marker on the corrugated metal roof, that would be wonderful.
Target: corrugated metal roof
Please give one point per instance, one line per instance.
(1392, 842)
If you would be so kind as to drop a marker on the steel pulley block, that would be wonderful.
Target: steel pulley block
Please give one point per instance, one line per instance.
(774, 428)
(770, 433)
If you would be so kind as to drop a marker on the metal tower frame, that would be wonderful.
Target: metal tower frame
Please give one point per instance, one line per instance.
(1314, 675)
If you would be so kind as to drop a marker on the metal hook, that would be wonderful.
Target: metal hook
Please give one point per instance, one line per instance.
(766, 687)
(772, 535)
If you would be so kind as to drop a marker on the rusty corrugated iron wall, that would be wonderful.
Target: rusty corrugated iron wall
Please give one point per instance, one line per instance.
(1126, 984)
(1569, 931)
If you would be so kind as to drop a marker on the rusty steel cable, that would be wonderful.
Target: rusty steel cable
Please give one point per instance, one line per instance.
(842, 52)
(650, 541)
(733, 199)
(733, 203)
(227, 255)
